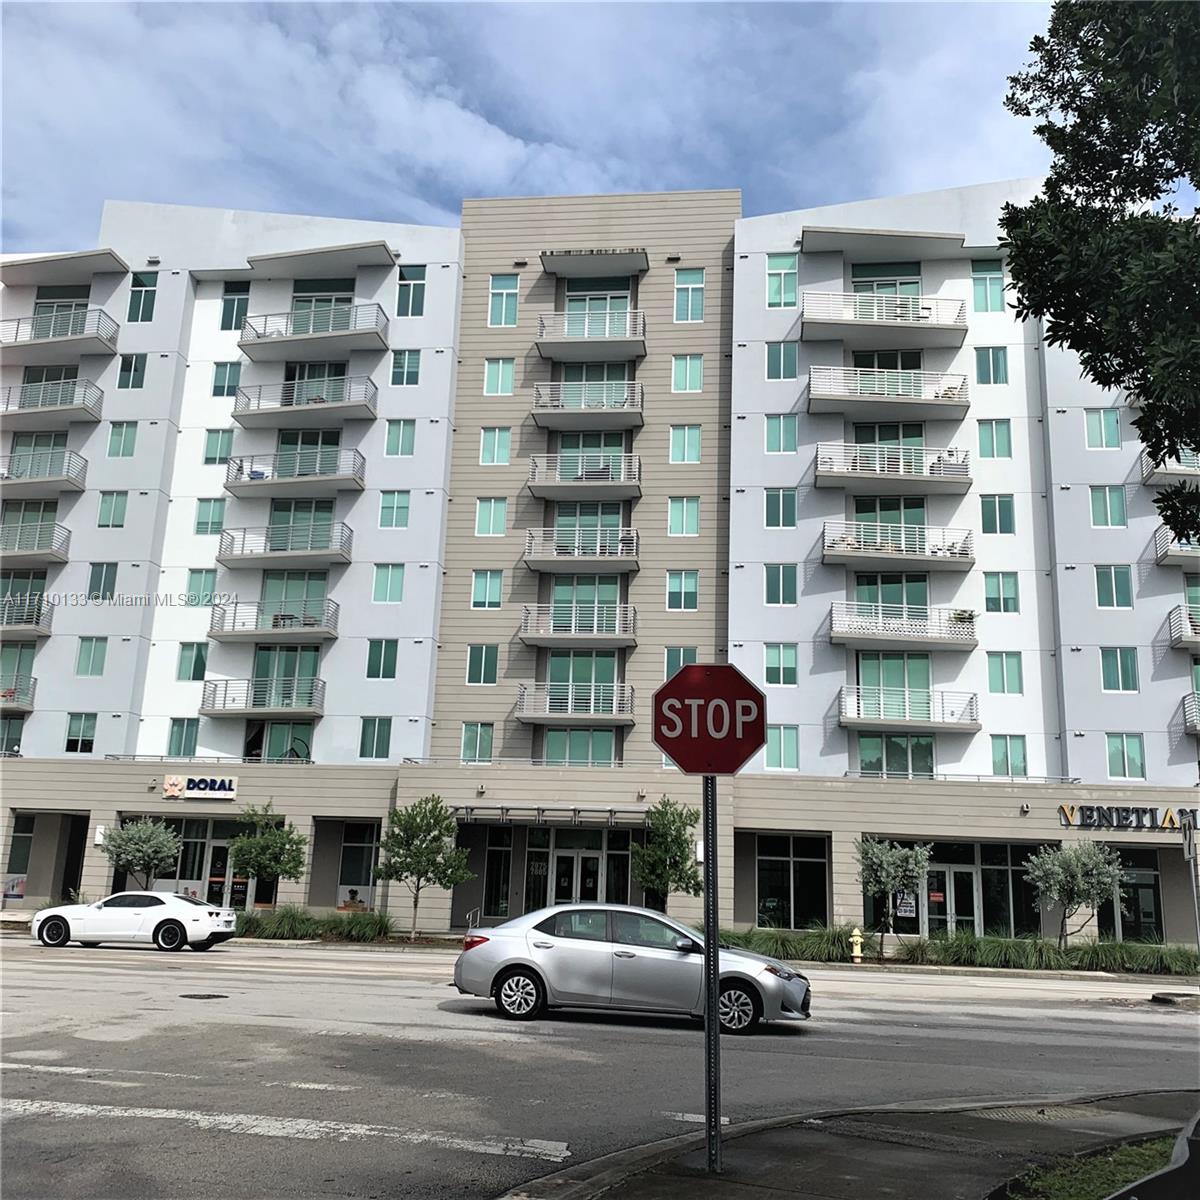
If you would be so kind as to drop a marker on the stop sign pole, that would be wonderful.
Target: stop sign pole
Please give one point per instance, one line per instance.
(708, 720)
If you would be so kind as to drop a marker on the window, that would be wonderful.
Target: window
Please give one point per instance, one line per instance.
(477, 741)
(783, 360)
(998, 514)
(995, 439)
(783, 748)
(102, 581)
(141, 296)
(679, 656)
(792, 881)
(583, 925)
(502, 300)
(400, 438)
(234, 302)
(689, 294)
(1008, 754)
(389, 583)
(1000, 592)
(683, 591)
(201, 583)
(226, 377)
(782, 663)
(410, 293)
(486, 588)
(780, 582)
(481, 664)
(11, 729)
(685, 444)
(1108, 507)
(579, 747)
(781, 433)
(89, 662)
(1126, 756)
(81, 733)
(182, 737)
(683, 516)
(393, 510)
(895, 755)
(193, 659)
(132, 372)
(632, 929)
(112, 510)
(782, 270)
(218, 446)
(1114, 586)
(494, 443)
(1118, 668)
(1103, 428)
(781, 508)
(381, 658)
(122, 437)
(498, 377)
(991, 364)
(987, 282)
(406, 368)
(491, 513)
(210, 516)
(687, 373)
(1004, 673)
(375, 741)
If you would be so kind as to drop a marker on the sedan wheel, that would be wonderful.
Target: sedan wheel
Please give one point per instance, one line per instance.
(54, 932)
(170, 936)
(737, 1009)
(520, 996)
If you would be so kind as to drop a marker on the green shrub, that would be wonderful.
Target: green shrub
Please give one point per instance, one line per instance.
(249, 924)
(1180, 960)
(959, 949)
(774, 943)
(1098, 955)
(1044, 955)
(913, 950)
(366, 927)
(831, 943)
(739, 938)
(290, 922)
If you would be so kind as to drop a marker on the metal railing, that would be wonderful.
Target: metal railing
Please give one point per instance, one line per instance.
(56, 393)
(916, 621)
(1187, 462)
(909, 704)
(586, 619)
(1191, 712)
(581, 543)
(44, 464)
(80, 323)
(887, 384)
(606, 396)
(878, 537)
(296, 464)
(238, 695)
(42, 537)
(566, 699)
(628, 324)
(1184, 622)
(25, 608)
(352, 389)
(919, 461)
(17, 689)
(949, 777)
(1165, 540)
(336, 318)
(870, 306)
(584, 466)
(277, 616)
(333, 536)
(210, 759)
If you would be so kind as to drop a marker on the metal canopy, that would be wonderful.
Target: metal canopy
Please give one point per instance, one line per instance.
(321, 262)
(883, 245)
(77, 267)
(548, 814)
(579, 264)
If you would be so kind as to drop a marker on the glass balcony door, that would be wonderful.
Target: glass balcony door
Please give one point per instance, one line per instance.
(587, 528)
(585, 604)
(900, 448)
(43, 386)
(300, 525)
(599, 313)
(888, 372)
(322, 314)
(283, 675)
(313, 383)
(908, 512)
(590, 455)
(35, 455)
(894, 592)
(894, 686)
(592, 385)
(59, 318)
(291, 598)
(307, 451)
(581, 681)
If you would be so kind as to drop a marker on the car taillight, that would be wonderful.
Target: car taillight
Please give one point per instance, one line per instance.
(472, 940)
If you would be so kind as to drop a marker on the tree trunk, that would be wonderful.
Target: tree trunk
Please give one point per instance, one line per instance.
(412, 936)
(887, 923)
(1062, 930)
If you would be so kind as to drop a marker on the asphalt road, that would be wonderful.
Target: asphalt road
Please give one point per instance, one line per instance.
(349, 1072)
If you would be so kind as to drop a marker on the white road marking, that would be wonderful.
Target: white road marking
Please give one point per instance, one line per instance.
(293, 1127)
(316, 1087)
(304, 1087)
(691, 1118)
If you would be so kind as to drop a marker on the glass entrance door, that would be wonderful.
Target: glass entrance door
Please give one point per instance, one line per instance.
(952, 900)
(225, 888)
(576, 877)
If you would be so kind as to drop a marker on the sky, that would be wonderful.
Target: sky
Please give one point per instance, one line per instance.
(397, 111)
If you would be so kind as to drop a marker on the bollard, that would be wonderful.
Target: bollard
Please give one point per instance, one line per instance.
(856, 940)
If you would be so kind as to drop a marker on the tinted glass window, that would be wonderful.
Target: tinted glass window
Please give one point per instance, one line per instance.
(587, 925)
(632, 929)
(122, 902)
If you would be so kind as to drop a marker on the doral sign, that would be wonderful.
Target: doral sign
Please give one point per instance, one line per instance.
(1119, 816)
(199, 787)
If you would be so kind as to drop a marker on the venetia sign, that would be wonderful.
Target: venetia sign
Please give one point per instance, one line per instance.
(1113, 816)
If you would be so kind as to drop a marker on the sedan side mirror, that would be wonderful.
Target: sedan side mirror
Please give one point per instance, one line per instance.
(684, 945)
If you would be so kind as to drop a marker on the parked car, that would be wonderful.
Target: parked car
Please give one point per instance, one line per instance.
(170, 922)
(619, 957)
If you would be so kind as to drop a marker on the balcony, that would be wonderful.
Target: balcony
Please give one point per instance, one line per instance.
(592, 337)
(53, 405)
(16, 693)
(306, 404)
(1184, 626)
(36, 545)
(1169, 552)
(25, 615)
(1170, 470)
(611, 405)
(1191, 713)
(581, 551)
(317, 545)
(583, 475)
(888, 625)
(582, 626)
(279, 621)
(263, 698)
(317, 334)
(42, 474)
(864, 393)
(872, 470)
(908, 709)
(59, 337)
(927, 547)
(871, 321)
(318, 472)
(589, 704)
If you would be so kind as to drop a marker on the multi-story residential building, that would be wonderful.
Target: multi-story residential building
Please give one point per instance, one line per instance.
(618, 434)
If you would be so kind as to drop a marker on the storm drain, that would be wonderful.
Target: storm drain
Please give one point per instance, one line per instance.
(202, 996)
(1029, 1114)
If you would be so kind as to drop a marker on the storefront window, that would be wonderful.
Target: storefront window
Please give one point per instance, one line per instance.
(1008, 900)
(792, 882)
(356, 876)
(1138, 915)
(497, 871)
(22, 843)
(537, 867)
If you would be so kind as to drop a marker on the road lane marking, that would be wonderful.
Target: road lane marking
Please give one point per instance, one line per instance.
(60, 1070)
(296, 1128)
(691, 1118)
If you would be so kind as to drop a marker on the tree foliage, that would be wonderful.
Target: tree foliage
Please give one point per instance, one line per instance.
(666, 863)
(143, 849)
(1103, 256)
(269, 848)
(1073, 877)
(887, 869)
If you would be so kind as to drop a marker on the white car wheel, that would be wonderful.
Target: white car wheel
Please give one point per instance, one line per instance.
(738, 1009)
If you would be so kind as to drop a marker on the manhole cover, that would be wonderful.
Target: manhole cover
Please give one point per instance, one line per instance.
(202, 996)
(1028, 1114)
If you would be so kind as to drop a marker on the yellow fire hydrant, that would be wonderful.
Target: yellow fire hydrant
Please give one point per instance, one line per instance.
(856, 940)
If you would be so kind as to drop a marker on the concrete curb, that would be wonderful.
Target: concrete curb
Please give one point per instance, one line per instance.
(986, 972)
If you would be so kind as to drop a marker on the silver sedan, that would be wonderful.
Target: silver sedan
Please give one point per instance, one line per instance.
(619, 957)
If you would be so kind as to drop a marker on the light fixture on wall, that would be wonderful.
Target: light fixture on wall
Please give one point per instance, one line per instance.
(480, 790)
(641, 794)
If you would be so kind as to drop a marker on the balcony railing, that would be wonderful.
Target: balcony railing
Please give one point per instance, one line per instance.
(546, 620)
(874, 537)
(16, 691)
(245, 695)
(44, 537)
(882, 384)
(949, 464)
(1187, 463)
(1169, 549)
(296, 464)
(933, 707)
(870, 306)
(609, 396)
(903, 621)
(83, 322)
(337, 318)
(210, 759)
(584, 467)
(54, 394)
(25, 608)
(332, 537)
(44, 464)
(601, 325)
(1191, 712)
(1184, 625)
(581, 543)
(276, 617)
(305, 393)
(574, 699)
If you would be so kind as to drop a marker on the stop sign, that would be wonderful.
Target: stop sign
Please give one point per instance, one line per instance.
(709, 719)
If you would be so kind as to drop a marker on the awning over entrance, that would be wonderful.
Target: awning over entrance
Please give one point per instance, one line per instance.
(546, 814)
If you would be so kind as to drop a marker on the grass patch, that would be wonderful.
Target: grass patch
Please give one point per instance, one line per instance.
(1094, 1176)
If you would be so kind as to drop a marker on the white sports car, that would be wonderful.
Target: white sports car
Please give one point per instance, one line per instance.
(170, 922)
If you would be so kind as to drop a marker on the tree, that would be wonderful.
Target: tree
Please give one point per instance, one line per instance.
(1103, 256)
(1073, 877)
(418, 849)
(143, 849)
(667, 861)
(270, 849)
(887, 869)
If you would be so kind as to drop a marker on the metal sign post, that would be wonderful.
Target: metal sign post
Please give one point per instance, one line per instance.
(712, 980)
(1187, 827)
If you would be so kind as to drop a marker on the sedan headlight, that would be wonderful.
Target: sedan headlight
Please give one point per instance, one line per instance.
(779, 972)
